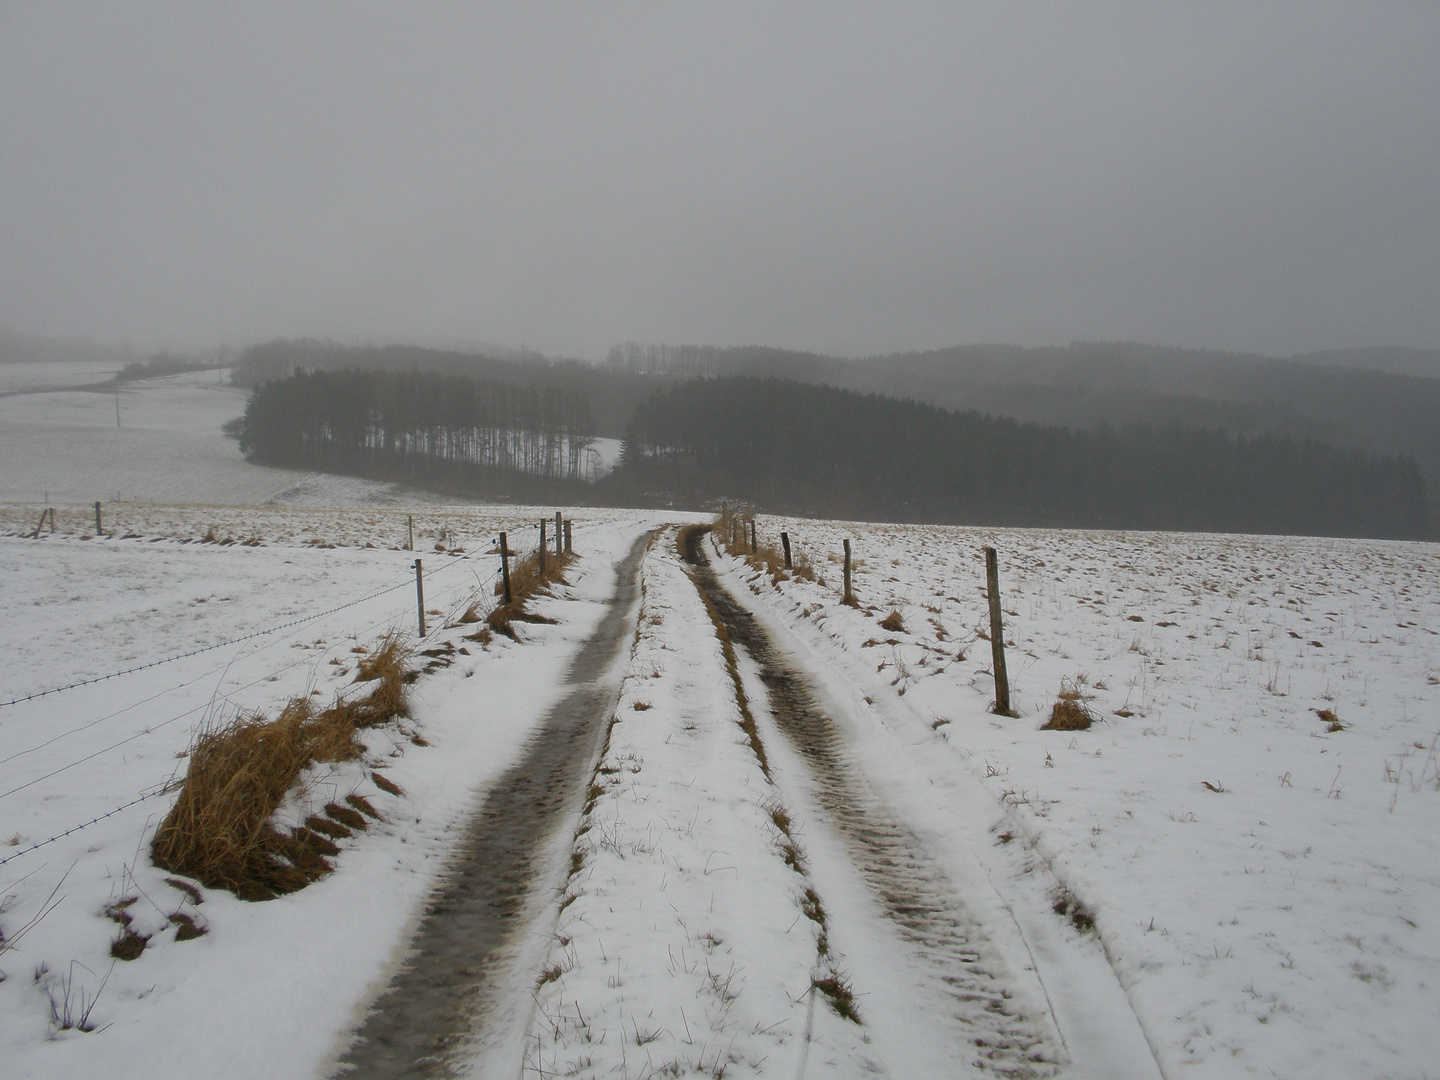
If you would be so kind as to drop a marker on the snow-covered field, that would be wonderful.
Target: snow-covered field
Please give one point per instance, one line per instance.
(1264, 882)
(1265, 887)
(168, 447)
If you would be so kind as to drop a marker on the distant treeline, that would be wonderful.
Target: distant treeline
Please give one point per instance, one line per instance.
(826, 452)
(612, 395)
(801, 448)
(421, 426)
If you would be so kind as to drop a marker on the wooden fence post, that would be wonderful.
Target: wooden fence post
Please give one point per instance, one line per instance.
(420, 596)
(849, 595)
(98, 530)
(754, 543)
(505, 567)
(542, 545)
(568, 549)
(410, 526)
(785, 543)
(997, 634)
(559, 534)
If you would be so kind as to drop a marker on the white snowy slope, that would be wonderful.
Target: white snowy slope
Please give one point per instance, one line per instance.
(1263, 886)
(271, 987)
(1263, 880)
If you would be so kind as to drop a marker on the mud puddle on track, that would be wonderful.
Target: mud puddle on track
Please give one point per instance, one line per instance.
(460, 953)
(904, 881)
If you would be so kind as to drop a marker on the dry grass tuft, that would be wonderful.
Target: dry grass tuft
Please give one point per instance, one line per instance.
(528, 580)
(1068, 714)
(1332, 721)
(836, 988)
(387, 662)
(1068, 906)
(186, 928)
(220, 831)
(385, 784)
(128, 945)
(893, 622)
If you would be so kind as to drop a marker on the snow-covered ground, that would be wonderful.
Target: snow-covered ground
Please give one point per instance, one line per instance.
(1265, 887)
(271, 987)
(20, 378)
(167, 447)
(1280, 925)
(1264, 882)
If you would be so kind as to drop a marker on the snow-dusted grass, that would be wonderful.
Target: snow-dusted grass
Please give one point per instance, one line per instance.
(1264, 882)
(269, 988)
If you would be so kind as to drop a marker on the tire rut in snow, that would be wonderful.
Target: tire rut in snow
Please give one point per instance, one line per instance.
(460, 947)
(904, 880)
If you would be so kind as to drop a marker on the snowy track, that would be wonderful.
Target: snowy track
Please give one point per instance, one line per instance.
(967, 989)
(741, 902)
(462, 954)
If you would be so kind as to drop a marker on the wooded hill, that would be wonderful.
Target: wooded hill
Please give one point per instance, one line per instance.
(422, 427)
(1373, 399)
(835, 453)
(1370, 404)
(796, 448)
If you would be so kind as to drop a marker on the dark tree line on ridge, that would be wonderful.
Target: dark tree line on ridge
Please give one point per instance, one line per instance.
(422, 426)
(820, 451)
(812, 450)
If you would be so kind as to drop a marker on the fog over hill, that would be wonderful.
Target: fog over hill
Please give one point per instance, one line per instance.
(1346, 398)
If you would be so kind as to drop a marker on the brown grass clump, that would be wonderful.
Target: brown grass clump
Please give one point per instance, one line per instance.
(836, 988)
(385, 784)
(1332, 721)
(893, 622)
(527, 580)
(1068, 715)
(387, 662)
(220, 831)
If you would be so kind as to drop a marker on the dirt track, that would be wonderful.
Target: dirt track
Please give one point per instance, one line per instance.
(904, 881)
(463, 942)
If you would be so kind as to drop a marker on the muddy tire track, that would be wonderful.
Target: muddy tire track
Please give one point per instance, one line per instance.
(462, 947)
(905, 882)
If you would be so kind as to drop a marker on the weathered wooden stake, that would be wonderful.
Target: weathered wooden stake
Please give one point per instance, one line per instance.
(785, 543)
(505, 567)
(754, 543)
(568, 548)
(849, 596)
(559, 536)
(997, 634)
(410, 526)
(420, 596)
(98, 530)
(542, 545)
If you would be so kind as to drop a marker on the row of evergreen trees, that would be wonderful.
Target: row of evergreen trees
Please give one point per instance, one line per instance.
(837, 453)
(812, 450)
(419, 425)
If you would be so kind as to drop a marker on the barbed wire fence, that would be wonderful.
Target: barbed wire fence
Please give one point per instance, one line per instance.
(171, 783)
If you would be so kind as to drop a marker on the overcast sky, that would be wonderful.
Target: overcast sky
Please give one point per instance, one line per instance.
(855, 178)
